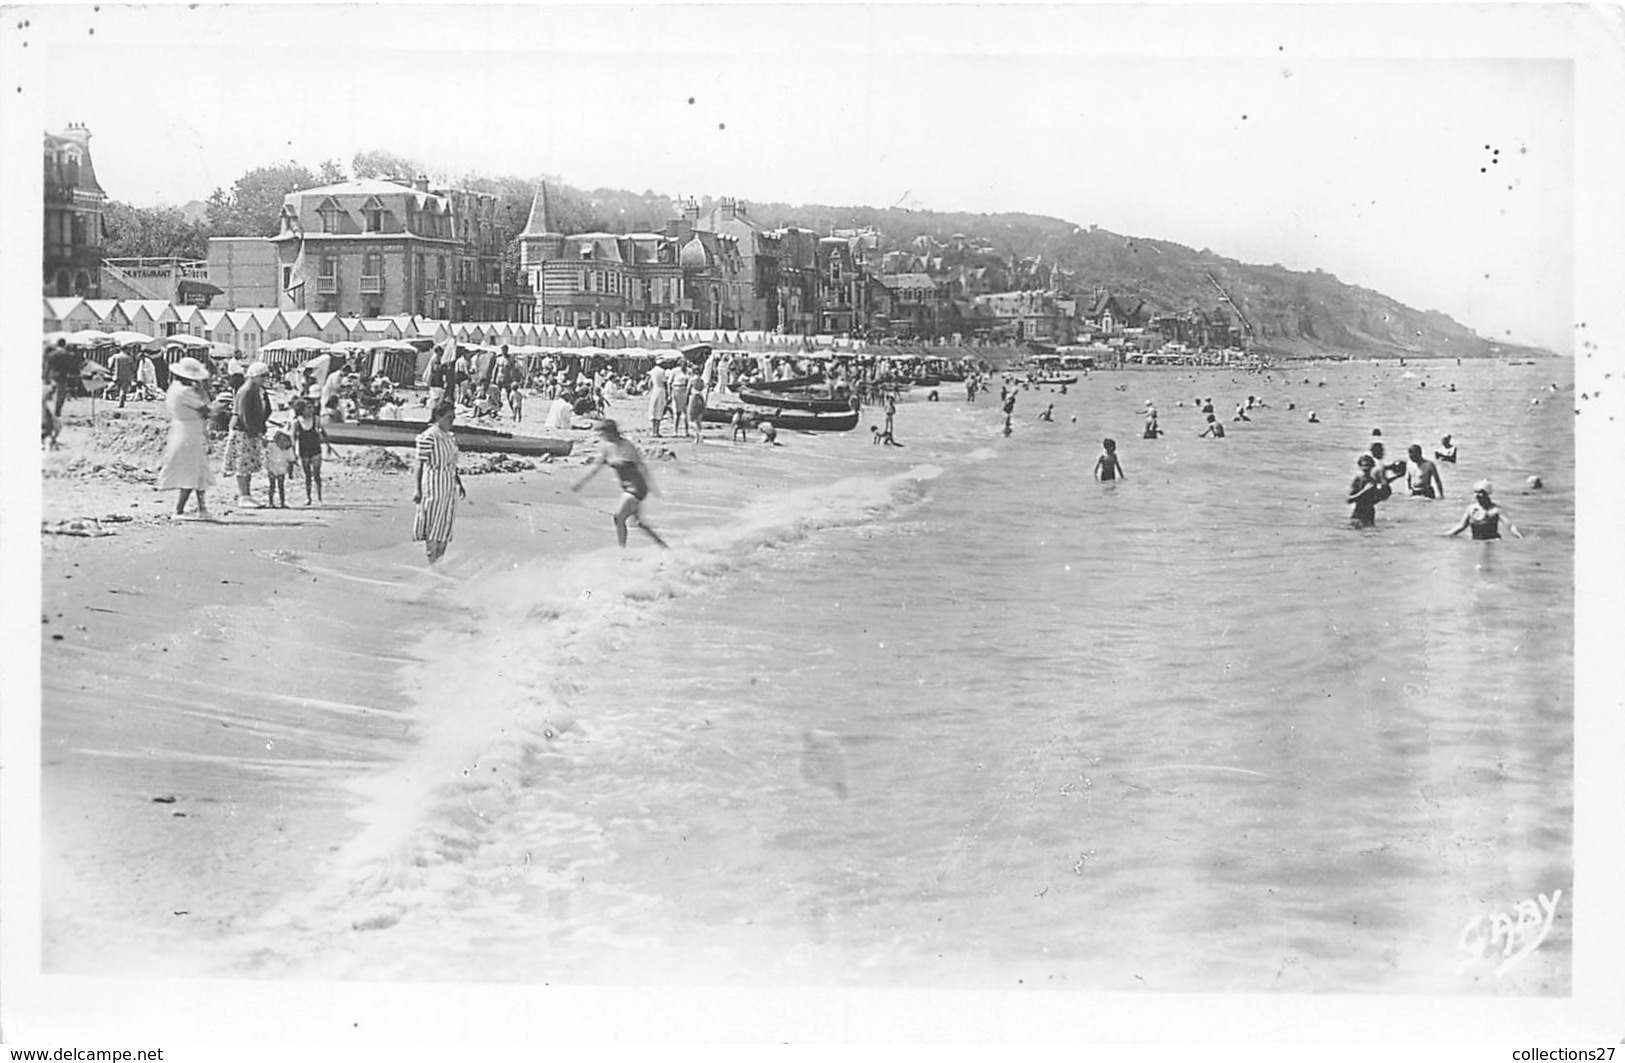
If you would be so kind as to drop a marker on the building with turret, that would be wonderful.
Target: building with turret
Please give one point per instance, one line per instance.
(682, 278)
(73, 216)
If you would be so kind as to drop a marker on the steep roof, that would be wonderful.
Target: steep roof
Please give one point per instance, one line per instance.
(79, 145)
(537, 223)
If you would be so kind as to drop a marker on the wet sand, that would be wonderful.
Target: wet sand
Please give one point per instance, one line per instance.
(210, 690)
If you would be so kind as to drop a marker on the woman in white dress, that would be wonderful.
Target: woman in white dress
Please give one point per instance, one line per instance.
(186, 457)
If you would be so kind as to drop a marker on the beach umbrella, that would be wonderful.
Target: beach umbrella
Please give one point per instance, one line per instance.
(216, 350)
(180, 339)
(129, 338)
(89, 338)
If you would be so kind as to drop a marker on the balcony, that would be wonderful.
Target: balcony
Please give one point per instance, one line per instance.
(327, 285)
(372, 285)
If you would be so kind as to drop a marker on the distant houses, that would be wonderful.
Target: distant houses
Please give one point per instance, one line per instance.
(382, 250)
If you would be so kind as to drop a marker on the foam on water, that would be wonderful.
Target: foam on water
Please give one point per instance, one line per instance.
(980, 718)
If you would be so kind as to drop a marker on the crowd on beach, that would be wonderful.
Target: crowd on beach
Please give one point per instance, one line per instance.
(275, 426)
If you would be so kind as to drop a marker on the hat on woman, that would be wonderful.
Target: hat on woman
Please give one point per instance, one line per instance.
(189, 369)
(259, 369)
(1482, 487)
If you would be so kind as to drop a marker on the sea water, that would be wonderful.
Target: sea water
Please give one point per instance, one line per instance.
(957, 715)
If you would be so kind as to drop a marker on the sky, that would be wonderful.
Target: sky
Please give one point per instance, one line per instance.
(1424, 152)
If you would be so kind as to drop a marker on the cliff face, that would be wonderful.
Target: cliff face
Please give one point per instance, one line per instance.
(1292, 311)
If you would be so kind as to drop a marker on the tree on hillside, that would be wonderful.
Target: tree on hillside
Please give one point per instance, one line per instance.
(253, 207)
(156, 232)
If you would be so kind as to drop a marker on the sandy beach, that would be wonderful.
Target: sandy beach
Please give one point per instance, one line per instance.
(211, 689)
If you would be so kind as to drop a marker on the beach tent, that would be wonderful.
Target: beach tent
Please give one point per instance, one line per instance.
(90, 338)
(395, 361)
(181, 340)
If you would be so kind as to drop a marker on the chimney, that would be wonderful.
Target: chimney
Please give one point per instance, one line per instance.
(421, 182)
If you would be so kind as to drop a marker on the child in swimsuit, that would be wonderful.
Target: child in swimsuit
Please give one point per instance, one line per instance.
(620, 454)
(1107, 467)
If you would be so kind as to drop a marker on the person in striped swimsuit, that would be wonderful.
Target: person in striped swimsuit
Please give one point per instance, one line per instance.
(438, 484)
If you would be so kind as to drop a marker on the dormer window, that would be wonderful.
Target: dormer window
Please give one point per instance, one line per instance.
(332, 215)
(373, 211)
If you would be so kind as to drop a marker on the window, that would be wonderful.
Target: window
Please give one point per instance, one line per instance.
(375, 220)
(330, 219)
(287, 277)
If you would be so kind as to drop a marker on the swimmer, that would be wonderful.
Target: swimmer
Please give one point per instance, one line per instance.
(1424, 475)
(1048, 414)
(1484, 517)
(1534, 483)
(1391, 470)
(620, 454)
(1214, 428)
(1107, 467)
(1446, 451)
(1365, 491)
(1312, 418)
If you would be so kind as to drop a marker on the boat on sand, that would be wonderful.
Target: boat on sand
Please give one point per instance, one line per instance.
(470, 439)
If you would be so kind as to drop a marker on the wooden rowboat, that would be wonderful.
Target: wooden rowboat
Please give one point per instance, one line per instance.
(794, 400)
(789, 420)
(470, 440)
(788, 385)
